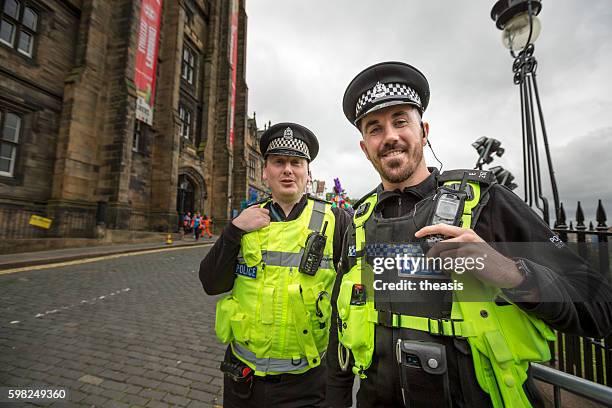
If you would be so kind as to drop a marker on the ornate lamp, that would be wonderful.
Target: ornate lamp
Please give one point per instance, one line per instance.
(520, 28)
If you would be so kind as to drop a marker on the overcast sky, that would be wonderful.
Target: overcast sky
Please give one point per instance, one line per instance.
(301, 55)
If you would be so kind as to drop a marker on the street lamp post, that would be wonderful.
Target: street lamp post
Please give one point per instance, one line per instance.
(520, 28)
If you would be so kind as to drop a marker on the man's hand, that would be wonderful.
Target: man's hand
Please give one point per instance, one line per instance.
(498, 270)
(252, 218)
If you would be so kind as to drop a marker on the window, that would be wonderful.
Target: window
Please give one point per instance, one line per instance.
(10, 127)
(18, 25)
(186, 127)
(137, 140)
(189, 65)
(188, 16)
(251, 167)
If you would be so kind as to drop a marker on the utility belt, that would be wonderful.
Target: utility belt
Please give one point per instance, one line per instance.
(269, 364)
(244, 379)
(435, 327)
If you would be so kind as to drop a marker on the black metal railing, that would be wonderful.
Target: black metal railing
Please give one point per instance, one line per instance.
(575, 385)
(15, 221)
(584, 357)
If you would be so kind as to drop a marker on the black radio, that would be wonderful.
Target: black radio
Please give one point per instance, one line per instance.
(313, 252)
(237, 371)
(447, 209)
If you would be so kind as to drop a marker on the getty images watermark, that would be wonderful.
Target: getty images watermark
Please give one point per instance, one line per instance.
(423, 267)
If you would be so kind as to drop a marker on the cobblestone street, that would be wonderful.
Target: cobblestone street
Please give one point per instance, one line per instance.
(135, 330)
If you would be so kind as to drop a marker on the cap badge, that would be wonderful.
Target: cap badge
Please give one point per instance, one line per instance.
(288, 134)
(379, 90)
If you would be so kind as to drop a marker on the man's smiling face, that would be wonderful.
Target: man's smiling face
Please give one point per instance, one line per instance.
(393, 141)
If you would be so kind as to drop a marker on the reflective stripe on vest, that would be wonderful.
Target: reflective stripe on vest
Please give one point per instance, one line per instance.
(271, 364)
(316, 218)
(288, 259)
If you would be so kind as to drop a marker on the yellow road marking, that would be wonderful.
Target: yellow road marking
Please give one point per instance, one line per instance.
(96, 259)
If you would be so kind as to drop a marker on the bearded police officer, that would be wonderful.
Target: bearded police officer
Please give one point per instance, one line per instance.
(278, 260)
(446, 339)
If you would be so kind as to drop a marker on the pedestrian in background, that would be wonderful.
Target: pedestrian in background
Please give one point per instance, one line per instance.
(187, 222)
(207, 221)
(196, 225)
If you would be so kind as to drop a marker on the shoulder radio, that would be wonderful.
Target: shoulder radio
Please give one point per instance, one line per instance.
(313, 252)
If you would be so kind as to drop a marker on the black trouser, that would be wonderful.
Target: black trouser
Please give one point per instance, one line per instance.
(305, 390)
(196, 232)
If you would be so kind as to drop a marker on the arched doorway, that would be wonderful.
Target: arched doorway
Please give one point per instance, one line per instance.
(185, 199)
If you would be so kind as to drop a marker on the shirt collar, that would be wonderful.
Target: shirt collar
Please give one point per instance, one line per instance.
(295, 211)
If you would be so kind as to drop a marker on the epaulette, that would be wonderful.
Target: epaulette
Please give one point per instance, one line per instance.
(313, 197)
(362, 199)
(483, 177)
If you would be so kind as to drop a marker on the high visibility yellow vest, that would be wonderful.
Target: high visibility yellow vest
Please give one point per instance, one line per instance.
(276, 318)
(503, 339)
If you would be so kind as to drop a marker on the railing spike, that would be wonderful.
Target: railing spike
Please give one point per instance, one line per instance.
(591, 226)
(600, 216)
(561, 219)
(580, 218)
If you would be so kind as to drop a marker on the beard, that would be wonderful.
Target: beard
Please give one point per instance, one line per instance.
(398, 170)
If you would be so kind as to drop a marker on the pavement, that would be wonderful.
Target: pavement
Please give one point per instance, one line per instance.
(26, 259)
(128, 330)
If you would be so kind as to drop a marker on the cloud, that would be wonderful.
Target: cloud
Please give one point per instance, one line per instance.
(583, 172)
(302, 55)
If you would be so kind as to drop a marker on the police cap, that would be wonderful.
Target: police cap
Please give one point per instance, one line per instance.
(289, 139)
(385, 84)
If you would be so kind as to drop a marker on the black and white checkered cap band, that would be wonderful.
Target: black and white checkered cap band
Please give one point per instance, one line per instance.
(292, 143)
(384, 91)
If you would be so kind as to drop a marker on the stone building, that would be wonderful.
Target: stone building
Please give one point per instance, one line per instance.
(72, 148)
(249, 177)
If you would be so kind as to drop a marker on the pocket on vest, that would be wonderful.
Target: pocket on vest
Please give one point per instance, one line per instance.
(230, 322)
(226, 309)
(527, 337)
(356, 327)
(240, 327)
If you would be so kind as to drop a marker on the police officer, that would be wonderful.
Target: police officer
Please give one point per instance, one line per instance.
(278, 260)
(425, 347)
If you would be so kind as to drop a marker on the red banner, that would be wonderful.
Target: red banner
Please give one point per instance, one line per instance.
(146, 58)
(233, 57)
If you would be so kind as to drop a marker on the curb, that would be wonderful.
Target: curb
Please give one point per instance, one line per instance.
(76, 257)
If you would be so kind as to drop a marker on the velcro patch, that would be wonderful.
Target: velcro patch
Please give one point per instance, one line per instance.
(244, 270)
